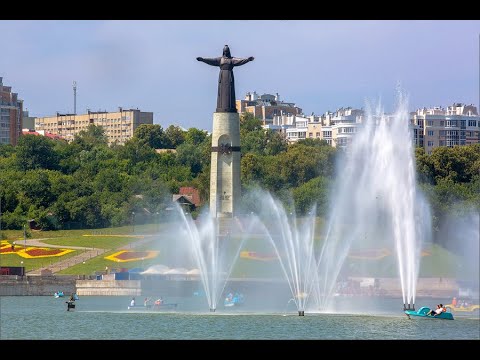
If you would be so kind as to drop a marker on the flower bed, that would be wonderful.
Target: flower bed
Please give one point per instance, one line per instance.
(32, 252)
(40, 252)
(129, 255)
(253, 255)
(6, 248)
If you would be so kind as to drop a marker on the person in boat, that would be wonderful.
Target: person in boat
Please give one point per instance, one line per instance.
(146, 302)
(437, 311)
(132, 303)
(440, 309)
(454, 301)
(72, 297)
(159, 301)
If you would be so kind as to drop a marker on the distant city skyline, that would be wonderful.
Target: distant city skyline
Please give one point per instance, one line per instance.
(319, 65)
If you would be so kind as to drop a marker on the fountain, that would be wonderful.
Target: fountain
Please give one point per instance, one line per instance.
(214, 253)
(293, 242)
(376, 203)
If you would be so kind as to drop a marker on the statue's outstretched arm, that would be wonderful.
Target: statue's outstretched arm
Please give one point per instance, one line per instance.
(240, 62)
(210, 61)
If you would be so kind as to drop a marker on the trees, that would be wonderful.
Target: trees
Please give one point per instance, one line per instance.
(174, 136)
(195, 136)
(35, 152)
(249, 123)
(88, 183)
(316, 191)
(150, 134)
(93, 136)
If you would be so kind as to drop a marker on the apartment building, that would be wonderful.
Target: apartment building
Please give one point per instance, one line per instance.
(336, 128)
(11, 114)
(266, 106)
(119, 126)
(459, 124)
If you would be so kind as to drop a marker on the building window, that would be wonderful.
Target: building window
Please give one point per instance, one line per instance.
(472, 123)
(430, 122)
(452, 123)
(430, 132)
(430, 143)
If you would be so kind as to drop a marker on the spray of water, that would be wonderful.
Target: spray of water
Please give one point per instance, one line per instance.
(293, 241)
(376, 202)
(214, 254)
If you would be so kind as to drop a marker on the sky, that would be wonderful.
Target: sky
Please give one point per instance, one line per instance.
(320, 65)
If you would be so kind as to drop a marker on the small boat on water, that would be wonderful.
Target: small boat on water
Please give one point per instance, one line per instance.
(467, 309)
(58, 294)
(154, 307)
(234, 300)
(423, 311)
(70, 305)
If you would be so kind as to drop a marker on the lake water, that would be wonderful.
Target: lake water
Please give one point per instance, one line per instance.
(40, 317)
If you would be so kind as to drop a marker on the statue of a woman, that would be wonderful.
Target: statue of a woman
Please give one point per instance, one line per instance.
(226, 81)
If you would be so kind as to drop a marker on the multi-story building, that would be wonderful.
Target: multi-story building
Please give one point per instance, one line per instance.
(28, 122)
(11, 114)
(119, 126)
(341, 126)
(299, 130)
(266, 106)
(336, 128)
(459, 124)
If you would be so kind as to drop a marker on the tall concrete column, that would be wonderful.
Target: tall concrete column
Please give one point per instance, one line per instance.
(225, 164)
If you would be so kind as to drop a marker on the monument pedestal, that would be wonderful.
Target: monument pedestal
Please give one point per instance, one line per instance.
(225, 165)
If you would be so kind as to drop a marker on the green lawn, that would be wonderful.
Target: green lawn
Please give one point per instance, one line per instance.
(99, 263)
(32, 264)
(440, 262)
(122, 230)
(100, 242)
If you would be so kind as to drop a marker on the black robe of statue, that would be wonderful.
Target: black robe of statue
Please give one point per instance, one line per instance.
(226, 80)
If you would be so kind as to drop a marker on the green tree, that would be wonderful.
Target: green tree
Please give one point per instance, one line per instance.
(457, 163)
(93, 136)
(36, 152)
(150, 134)
(248, 123)
(190, 155)
(195, 136)
(313, 192)
(425, 169)
(276, 143)
(174, 136)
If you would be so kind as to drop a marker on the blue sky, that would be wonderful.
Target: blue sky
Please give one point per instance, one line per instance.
(319, 65)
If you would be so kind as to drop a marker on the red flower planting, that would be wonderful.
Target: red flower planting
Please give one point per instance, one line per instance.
(133, 255)
(43, 252)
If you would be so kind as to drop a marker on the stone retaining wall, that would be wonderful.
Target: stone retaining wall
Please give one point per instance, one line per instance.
(109, 288)
(14, 285)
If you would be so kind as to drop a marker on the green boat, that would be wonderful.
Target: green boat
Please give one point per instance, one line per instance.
(423, 311)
